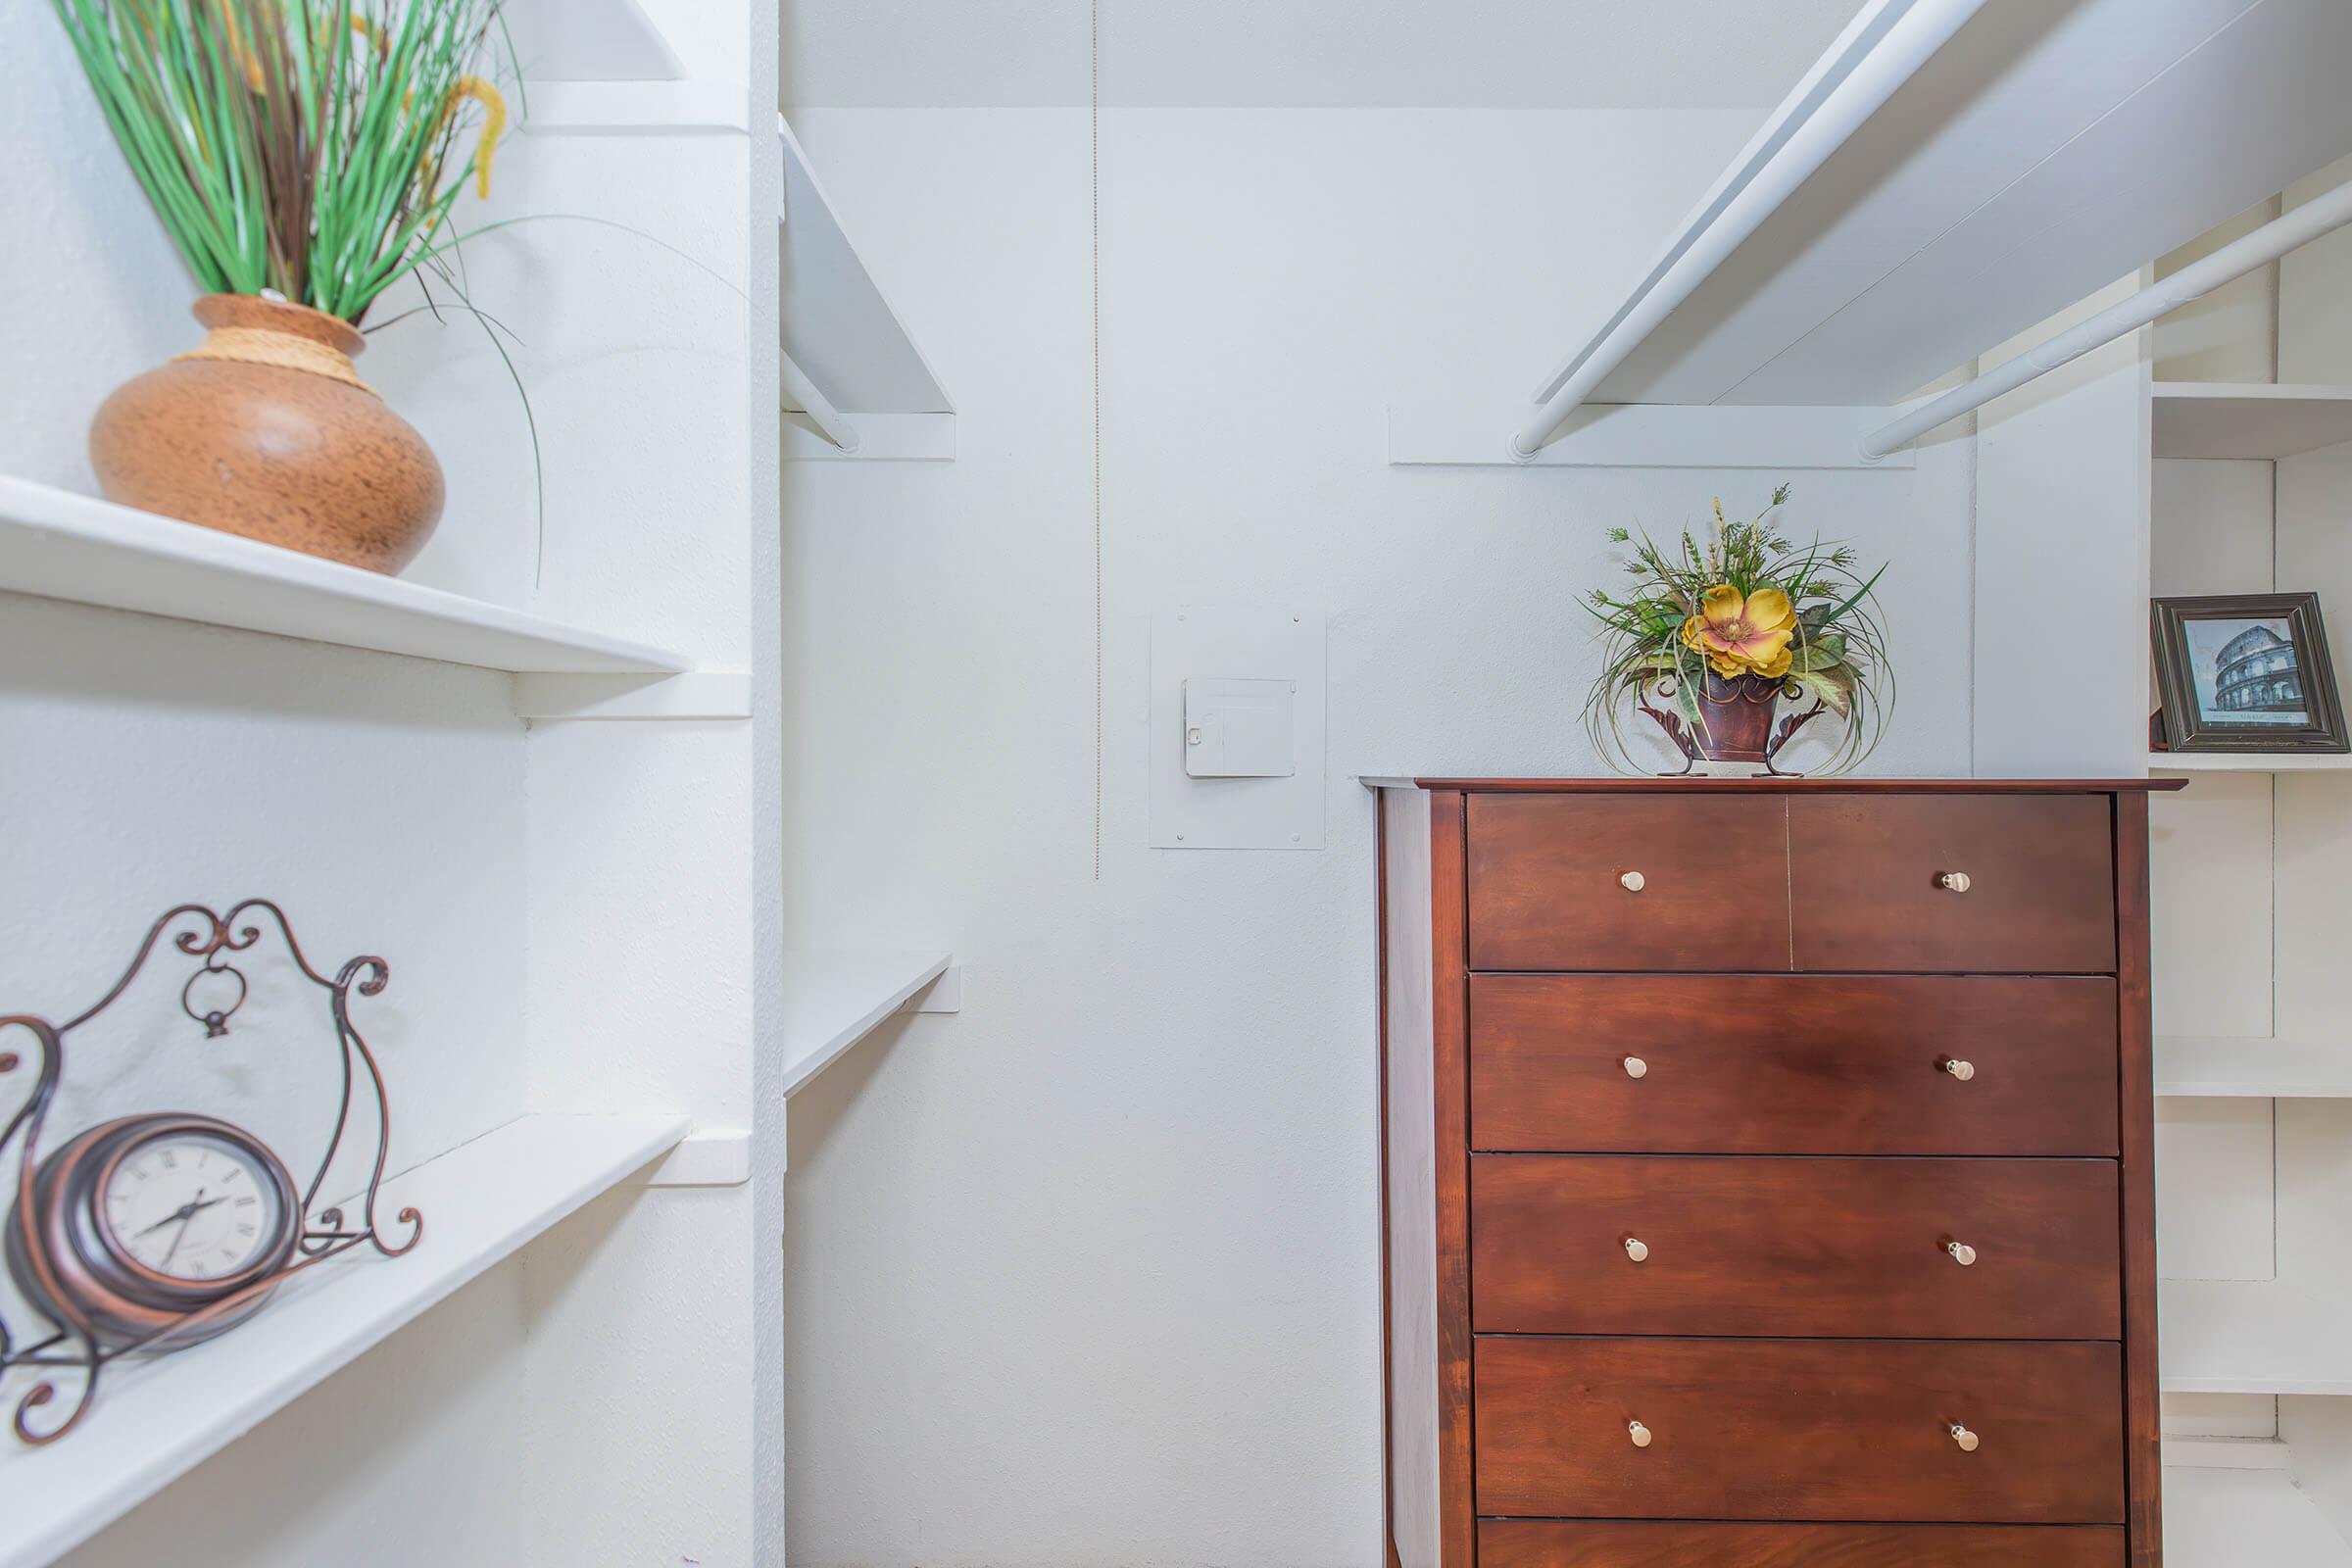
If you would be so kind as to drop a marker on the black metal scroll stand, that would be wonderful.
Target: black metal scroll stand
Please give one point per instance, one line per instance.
(209, 938)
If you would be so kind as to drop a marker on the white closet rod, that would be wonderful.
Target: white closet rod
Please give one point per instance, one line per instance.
(2239, 257)
(802, 393)
(1780, 159)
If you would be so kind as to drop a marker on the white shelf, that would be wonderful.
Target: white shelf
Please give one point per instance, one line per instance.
(2034, 157)
(60, 545)
(834, 1000)
(2253, 419)
(2230, 1337)
(2192, 1067)
(843, 333)
(156, 1420)
(2249, 761)
(2245, 1519)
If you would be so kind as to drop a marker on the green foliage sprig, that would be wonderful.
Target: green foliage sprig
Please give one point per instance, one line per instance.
(311, 147)
(1653, 635)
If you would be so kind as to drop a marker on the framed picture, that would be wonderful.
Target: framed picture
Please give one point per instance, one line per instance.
(2246, 672)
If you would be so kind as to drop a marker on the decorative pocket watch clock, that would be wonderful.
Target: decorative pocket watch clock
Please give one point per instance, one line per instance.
(151, 1233)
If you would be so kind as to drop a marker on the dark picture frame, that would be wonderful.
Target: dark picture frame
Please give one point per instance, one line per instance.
(2262, 656)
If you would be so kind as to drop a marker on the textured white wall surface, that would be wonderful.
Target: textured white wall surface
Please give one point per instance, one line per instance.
(1089, 1273)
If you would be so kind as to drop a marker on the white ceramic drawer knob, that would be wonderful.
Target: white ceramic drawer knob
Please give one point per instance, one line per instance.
(1962, 1253)
(1633, 881)
(1636, 1067)
(1966, 1439)
(1953, 881)
(1636, 1249)
(1962, 1070)
(1639, 1433)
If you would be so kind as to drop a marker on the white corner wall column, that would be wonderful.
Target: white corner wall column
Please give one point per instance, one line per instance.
(2062, 485)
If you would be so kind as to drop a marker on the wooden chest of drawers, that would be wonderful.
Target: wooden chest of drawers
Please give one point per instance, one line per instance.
(1767, 1174)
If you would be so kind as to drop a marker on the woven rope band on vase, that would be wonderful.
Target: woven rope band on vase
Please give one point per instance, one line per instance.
(257, 344)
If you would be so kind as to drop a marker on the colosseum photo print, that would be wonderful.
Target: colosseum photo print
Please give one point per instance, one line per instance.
(2245, 672)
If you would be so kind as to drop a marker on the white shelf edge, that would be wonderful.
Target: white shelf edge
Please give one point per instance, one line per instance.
(2257, 1067)
(2221, 1518)
(482, 1202)
(2250, 1336)
(2249, 761)
(55, 544)
(2251, 420)
(622, 107)
(834, 1000)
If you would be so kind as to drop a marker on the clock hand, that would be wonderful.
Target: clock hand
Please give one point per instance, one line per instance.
(187, 1214)
(179, 1215)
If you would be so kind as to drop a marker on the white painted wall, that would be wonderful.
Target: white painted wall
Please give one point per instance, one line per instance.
(567, 910)
(1089, 1273)
(2061, 502)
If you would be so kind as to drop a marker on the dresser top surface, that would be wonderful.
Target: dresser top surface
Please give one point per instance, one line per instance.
(1621, 785)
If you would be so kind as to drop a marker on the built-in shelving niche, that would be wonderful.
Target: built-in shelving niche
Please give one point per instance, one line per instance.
(2248, 412)
(482, 1202)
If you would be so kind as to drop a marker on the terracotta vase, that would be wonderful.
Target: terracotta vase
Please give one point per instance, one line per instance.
(268, 432)
(1740, 735)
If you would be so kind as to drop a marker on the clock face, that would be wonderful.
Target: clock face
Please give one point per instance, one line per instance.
(192, 1205)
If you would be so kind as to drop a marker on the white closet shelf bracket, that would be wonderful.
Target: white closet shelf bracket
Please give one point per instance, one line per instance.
(718, 1157)
(854, 384)
(800, 395)
(2200, 277)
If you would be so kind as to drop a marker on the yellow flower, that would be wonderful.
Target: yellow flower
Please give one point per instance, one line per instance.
(1742, 634)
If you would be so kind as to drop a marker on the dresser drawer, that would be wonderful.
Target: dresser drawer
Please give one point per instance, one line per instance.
(1652, 1544)
(1792, 1065)
(1868, 888)
(1548, 882)
(1826, 1430)
(1795, 1246)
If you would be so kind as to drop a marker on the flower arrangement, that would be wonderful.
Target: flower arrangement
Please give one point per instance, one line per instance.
(303, 156)
(1725, 628)
(308, 148)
